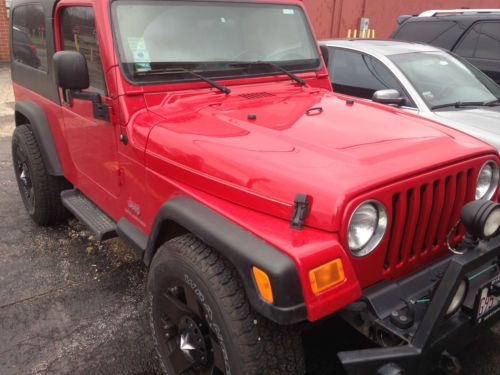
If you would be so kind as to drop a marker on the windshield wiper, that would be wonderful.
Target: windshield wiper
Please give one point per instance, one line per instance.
(464, 104)
(296, 78)
(458, 105)
(492, 103)
(217, 85)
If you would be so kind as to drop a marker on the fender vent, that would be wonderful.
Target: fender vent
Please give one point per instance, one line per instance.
(256, 95)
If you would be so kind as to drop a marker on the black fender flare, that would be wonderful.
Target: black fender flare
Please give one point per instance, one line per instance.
(244, 250)
(40, 128)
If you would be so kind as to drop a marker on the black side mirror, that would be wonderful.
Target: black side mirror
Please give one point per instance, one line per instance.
(71, 70)
(388, 97)
(72, 75)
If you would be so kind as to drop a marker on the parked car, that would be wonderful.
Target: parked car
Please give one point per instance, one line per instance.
(420, 79)
(471, 33)
(259, 200)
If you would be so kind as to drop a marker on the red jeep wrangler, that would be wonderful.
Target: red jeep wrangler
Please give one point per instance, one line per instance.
(205, 134)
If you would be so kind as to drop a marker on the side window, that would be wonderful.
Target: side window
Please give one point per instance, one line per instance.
(438, 33)
(359, 75)
(488, 45)
(78, 33)
(467, 46)
(29, 45)
(482, 42)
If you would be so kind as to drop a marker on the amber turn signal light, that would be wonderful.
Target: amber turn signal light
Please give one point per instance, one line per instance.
(263, 284)
(326, 276)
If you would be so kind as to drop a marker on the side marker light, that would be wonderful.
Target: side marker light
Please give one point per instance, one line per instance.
(326, 276)
(263, 284)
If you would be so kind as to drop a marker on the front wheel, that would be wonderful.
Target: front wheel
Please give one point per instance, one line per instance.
(202, 322)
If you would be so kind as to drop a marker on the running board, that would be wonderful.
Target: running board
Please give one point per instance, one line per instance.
(88, 213)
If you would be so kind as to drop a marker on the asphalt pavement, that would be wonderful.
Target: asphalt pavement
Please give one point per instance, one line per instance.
(71, 305)
(68, 304)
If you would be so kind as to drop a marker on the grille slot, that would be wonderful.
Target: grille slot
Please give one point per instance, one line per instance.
(412, 206)
(422, 215)
(256, 95)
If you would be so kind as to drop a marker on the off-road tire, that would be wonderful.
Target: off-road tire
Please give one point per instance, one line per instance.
(46, 207)
(252, 344)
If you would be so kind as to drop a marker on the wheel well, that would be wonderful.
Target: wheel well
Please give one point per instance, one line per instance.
(243, 249)
(169, 229)
(21, 119)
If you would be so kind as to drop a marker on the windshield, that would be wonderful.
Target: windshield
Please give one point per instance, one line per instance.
(442, 79)
(164, 37)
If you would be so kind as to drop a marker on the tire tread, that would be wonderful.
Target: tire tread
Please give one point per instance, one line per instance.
(48, 205)
(265, 347)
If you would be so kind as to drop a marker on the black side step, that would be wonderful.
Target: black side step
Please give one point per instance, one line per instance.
(88, 213)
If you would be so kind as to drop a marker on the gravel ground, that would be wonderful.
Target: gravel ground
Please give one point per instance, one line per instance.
(71, 305)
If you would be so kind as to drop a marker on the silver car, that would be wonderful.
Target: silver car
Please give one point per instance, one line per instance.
(418, 78)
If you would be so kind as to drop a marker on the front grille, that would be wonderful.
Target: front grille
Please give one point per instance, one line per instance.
(422, 214)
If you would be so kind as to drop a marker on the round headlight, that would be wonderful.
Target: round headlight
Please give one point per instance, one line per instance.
(367, 227)
(458, 299)
(487, 180)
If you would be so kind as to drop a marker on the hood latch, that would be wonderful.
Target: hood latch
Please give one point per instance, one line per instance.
(300, 211)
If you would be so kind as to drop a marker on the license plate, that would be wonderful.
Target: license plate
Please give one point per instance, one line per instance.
(487, 300)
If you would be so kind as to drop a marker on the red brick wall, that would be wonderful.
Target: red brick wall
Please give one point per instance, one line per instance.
(4, 33)
(332, 18)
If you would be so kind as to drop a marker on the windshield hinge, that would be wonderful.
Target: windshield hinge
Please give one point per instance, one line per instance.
(300, 211)
(101, 111)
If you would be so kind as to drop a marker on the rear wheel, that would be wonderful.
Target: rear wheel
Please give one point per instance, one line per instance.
(39, 190)
(202, 322)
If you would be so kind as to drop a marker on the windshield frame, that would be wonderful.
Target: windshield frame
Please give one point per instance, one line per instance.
(447, 54)
(161, 80)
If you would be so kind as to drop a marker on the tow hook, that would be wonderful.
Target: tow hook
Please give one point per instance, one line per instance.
(390, 369)
(450, 364)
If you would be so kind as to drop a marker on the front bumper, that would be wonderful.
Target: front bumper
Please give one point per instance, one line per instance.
(426, 338)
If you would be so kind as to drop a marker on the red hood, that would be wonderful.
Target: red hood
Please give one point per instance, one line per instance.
(208, 141)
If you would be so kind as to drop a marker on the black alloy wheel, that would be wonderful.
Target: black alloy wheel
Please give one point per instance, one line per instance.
(203, 323)
(23, 176)
(192, 344)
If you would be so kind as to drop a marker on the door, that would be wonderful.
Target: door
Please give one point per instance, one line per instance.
(481, 46)
(92, 142)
